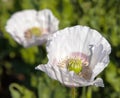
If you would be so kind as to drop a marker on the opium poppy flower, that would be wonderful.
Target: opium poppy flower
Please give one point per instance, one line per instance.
(76, 55)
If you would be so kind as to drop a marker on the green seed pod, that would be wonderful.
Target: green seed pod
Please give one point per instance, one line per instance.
(36, 31)
(74, 65)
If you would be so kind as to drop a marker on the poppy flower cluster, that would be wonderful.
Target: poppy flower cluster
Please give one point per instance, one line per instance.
(76, 55)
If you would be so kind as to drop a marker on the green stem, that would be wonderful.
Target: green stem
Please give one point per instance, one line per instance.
(84, 92)
(73, 92)
(38, 88)
(89, 92)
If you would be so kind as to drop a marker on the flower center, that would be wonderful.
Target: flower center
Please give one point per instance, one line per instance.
(78, 63)
(74, 65)
(35, 31)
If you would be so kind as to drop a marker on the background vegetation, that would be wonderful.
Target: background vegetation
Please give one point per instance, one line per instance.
(19, 79)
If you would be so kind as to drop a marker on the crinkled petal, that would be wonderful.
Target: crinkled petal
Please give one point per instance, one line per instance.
(98, 82)
(48, 20)
(100, 57)
(67, 41)
(67, 78)
(20, 22)
(48, 70)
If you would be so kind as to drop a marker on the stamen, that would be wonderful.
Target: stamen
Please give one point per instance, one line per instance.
(86, 72)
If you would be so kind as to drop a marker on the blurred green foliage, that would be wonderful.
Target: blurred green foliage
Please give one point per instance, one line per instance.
(17, 63)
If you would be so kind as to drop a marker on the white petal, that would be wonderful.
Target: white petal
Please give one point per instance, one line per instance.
(98, 82)
(58, 74)
(100, 57)
(98, 68)
(19, 23)
(48, 70)
(48, 20)
(100, 51)
(74, 39)
(67, 41)
(67, 78)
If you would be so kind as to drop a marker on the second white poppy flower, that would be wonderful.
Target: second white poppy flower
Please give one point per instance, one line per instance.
(31, 27)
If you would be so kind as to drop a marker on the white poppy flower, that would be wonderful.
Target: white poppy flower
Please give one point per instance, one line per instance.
(31, 27)
(76, 55)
